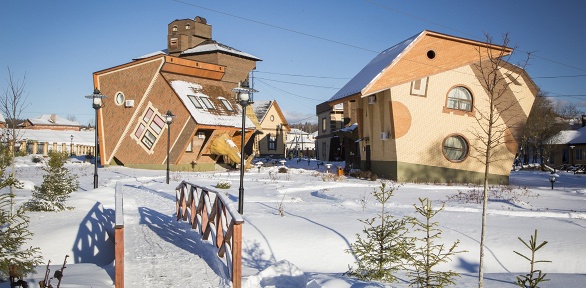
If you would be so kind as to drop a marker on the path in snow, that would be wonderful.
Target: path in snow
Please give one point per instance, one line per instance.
(161, 252)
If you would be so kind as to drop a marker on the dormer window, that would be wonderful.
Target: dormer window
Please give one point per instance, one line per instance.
(206, 101)
(195, 102)
(226, 104)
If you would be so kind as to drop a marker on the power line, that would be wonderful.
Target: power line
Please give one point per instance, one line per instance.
(308, 98)
(308, 85)
(279, 27)
(307, 76)
(557, 77)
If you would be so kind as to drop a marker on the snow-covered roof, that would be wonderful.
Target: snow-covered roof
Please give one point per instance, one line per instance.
(372, 69)
(203, 115)
(261, 108)
(571, 137)
(213, 46)
(160, 52)
(52, 120)
(57, 136)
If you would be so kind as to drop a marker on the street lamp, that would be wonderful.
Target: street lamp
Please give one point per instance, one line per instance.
(572, 154)
(244, 97)
(96, 104)
(168, 119)
(71, 148)
(552, 178)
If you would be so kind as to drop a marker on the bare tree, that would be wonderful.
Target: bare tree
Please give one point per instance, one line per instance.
(568, 110)
(496, 117)
(542, 128)
(12, 104)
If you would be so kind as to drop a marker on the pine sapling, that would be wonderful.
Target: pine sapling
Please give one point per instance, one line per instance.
(58, 183)
(534, 277)
(383, 250)
(424, 258)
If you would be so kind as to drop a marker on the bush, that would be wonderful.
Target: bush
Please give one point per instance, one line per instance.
(37, 158)
(224, 184)
(283, 170)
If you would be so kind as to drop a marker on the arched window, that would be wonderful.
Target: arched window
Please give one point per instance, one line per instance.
(460, 98)
(187, 26)
(175, 28)
(455, 148)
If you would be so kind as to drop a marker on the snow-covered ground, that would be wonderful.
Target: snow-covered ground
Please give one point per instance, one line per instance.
(309, 242)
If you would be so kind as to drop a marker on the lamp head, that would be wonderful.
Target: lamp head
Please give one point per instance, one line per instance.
(169, 117)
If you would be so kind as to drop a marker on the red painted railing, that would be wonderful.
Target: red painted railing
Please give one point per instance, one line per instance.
(210, 212)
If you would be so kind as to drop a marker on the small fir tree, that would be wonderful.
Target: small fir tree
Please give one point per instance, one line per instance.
(58, 183)
(383, 250)
(425, 257)
(534, 277)
(13, 227)
(13, 236)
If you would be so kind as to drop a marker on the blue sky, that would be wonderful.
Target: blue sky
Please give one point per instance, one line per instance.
(309, 48)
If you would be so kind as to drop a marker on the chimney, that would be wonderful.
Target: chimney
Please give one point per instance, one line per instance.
(52, 118)
(187, 33)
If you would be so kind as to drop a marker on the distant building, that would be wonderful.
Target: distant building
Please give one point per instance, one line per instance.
(50, 122)
(569, 147)
(193, 79)
(301, 143)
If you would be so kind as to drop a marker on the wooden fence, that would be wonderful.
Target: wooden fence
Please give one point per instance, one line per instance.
(209, 211)
(119, 239)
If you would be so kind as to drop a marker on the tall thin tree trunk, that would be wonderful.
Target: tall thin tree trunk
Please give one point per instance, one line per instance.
(485, 194)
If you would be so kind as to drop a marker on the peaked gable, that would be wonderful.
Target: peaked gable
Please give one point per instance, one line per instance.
(423, 54)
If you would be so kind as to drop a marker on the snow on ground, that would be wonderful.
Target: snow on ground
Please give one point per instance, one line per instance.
(309, 242)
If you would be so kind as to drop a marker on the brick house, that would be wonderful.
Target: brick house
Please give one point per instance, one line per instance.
(193, 79)
(270, 139)
(416, 105)
(50, 122)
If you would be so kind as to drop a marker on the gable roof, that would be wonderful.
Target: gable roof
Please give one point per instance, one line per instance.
(571, 137)
(399, 63)
(204, 116)
(52, 120)
(262, 107)
(207, 46)
(372, 69)
(214, 46)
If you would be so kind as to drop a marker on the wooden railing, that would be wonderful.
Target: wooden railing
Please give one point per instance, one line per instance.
(119, 239)
(210, 212)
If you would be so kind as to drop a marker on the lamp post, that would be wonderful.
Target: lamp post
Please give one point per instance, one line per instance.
(244, 97)
(552, 178)
(168, 119)
(71, 147)
(96, 104)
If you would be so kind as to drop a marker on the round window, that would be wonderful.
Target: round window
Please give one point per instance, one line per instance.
(272, 118)
(119, 98)
(455, 148)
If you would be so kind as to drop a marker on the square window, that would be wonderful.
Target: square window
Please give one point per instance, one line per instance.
(149, 139)
(227, 104)
(195, 101)
(206, 101)
(157, 124)
(139, 131)
(148, 115)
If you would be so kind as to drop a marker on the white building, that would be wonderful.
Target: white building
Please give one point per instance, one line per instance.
(300, 143)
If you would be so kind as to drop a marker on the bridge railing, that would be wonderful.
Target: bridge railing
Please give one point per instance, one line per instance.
(210, 212)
